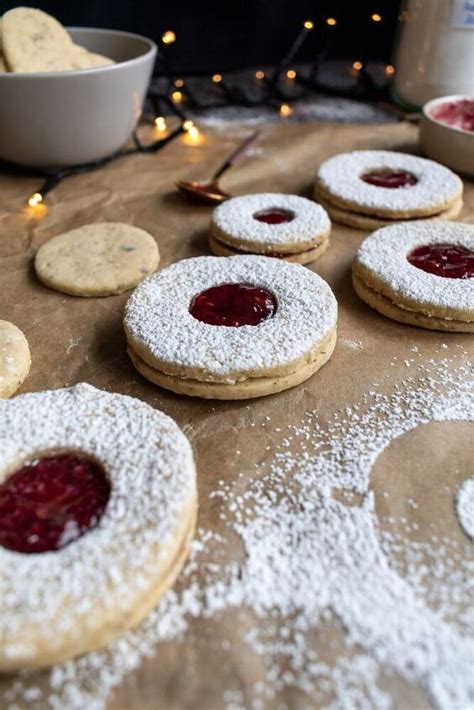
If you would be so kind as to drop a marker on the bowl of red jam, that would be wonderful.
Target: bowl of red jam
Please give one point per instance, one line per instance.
(447, 132)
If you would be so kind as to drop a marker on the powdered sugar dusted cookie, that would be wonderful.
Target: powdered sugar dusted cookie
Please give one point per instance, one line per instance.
(15, 359)
(33, 41)
(370, 223)
(231, 328)
(284, 226)
(385, 185)
(97, 259)
(97, 511)
(420, 273)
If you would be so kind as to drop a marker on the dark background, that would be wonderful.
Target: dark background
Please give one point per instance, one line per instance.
(231, 34)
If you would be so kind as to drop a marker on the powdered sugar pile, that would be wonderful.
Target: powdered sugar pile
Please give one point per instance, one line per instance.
(315, 563)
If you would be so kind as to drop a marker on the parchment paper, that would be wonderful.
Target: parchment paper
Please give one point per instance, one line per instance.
(74, 340)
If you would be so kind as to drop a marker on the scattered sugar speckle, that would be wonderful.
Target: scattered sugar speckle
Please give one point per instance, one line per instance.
(316, 560)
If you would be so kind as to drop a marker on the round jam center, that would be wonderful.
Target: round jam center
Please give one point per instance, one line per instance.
(50, 502)
(275, 215)
(389, 178)
(233, 305)
(445, 260)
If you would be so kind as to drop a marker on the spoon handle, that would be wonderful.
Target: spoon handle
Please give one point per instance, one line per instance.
(235, 155)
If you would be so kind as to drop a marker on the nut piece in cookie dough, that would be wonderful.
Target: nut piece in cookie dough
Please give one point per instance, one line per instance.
(100, 259)
(15, 359)
(231, 328)
(94, 531)
(368, 189)
(283, 226)
(420, 273)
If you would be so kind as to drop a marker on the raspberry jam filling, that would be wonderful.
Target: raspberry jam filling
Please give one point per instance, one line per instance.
(275, 215)
(457, 114)
(50, 502)
(385, 177)
(446, 260)
(233, 305)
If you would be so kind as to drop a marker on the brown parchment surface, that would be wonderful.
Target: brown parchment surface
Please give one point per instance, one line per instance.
(81, 340)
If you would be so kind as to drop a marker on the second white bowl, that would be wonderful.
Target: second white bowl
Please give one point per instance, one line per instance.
(448, 145)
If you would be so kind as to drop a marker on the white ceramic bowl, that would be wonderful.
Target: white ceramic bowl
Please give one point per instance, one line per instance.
(68, 118)
(451, 146)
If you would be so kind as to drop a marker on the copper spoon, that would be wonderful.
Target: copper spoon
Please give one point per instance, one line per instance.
(210, 191)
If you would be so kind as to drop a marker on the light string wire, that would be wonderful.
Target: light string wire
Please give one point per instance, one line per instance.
(271, 94)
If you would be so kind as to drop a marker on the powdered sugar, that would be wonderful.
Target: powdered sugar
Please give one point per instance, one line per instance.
(157, 316)
(149, 461)
(384, 255)
(353, 344)
(465, 506)
(436, 185)
(234, 220)
(315, 563)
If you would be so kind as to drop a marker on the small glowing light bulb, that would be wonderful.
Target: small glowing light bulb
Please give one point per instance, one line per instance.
(308, 25)
(375, 17)
(389, 69)
(217, 78)
(357, 65)
(168, 37)
(285, 110)
(160, 123)
(192, 133)
(331, 21)
(179, 83)
(35, 199)
(260, 74)
(291, 74)
(177, 97)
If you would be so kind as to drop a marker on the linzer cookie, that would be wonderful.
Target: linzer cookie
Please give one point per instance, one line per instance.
(284, 226)
(419, 273)
(97, 511)
(368, 189)
(231, 328)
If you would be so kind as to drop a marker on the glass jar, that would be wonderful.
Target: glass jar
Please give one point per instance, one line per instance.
(434, 51)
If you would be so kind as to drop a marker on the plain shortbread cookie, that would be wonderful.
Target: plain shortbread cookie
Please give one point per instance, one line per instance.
(97, 259)
(15, 359)
(33, 41)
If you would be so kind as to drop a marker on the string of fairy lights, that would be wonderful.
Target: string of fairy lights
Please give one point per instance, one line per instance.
(177, 93)
(175, 96)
